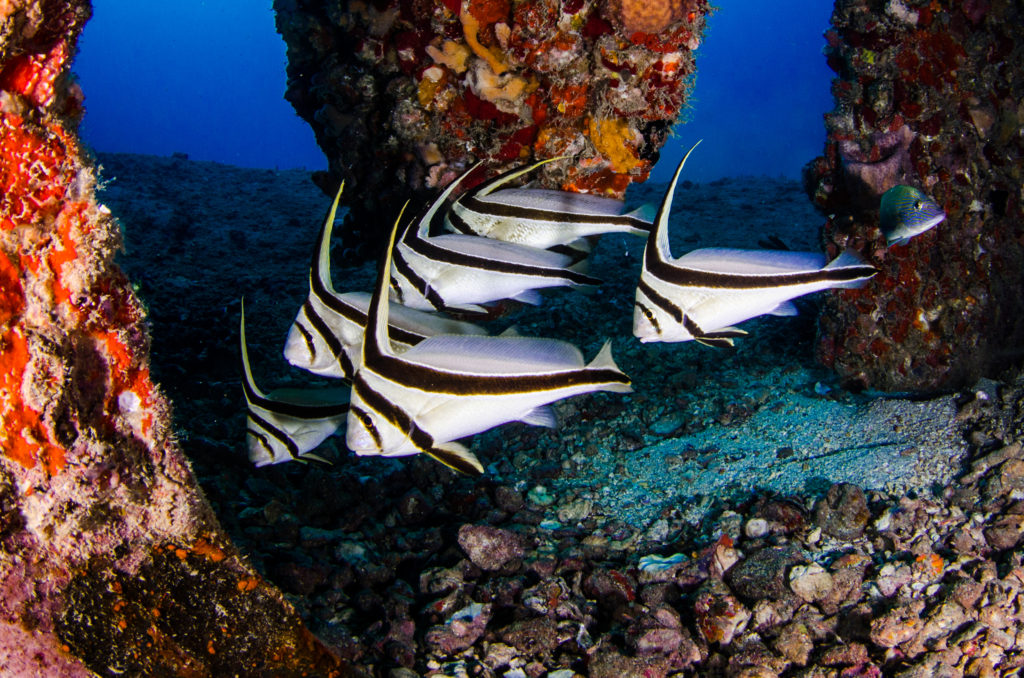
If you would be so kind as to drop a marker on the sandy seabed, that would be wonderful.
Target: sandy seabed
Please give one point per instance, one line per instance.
(738, 514)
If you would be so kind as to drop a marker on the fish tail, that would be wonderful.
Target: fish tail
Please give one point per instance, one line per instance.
(846, 258)
(605, 361)
(849, 259)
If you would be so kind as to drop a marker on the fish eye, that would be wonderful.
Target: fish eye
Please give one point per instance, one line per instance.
(918, 204)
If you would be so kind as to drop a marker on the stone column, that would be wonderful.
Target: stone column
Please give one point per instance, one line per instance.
(110, 558)
(928, 93)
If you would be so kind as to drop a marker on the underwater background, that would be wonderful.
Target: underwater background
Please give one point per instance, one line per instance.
(215, 75)
(740, 514)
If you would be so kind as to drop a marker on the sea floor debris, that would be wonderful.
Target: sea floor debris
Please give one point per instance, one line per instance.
(532, 570)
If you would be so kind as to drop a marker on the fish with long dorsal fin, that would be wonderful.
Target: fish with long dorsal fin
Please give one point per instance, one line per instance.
(539, 217)
(286, 424)
(327, 334)
(449, 387)
(906, 212)
(461, 272)
(703, 293)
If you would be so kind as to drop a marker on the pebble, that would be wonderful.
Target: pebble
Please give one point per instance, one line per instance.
(843, 512)
(490, 548)
(763, 573)
(539, 496)
(811, 582)
(575, 511)
(756, 528)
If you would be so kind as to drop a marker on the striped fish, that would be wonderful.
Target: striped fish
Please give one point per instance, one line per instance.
(287, 424)
(450, 387)
(327, 335)
(460, 272)
(539, 217)
(702, 293)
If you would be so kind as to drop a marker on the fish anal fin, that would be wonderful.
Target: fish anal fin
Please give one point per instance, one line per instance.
(540, 416)
(457, 457)
(785, 308)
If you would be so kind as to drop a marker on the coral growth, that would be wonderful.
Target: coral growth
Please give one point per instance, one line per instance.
(487, 80)
(927, 94)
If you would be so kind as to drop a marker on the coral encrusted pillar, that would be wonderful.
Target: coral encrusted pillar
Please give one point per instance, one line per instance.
(111, 562)
(928, 93)
(404, 95)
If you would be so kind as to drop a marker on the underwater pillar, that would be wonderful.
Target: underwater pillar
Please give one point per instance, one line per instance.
(111, 561)
(404, 96)
(927, 93)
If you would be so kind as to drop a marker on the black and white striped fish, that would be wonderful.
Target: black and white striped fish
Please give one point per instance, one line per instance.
(286, 424)
(460, 272)
(703, 293)
(540, 217)
(327, 335)
(450, 387)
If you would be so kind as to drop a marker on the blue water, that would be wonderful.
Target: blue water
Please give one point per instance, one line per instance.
(208, 79)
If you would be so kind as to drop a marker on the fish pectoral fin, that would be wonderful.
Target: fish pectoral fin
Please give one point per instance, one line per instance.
(531, 297)
(457, 457)
(540, 416)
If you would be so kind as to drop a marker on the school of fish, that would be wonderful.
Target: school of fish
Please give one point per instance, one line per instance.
(421, 381)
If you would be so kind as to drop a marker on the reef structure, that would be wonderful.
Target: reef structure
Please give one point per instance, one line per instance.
(111, 561)
(403, 95)
(927, 93)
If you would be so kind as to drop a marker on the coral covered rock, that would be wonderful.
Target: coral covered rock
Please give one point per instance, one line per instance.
(111, 561)
(927, 94)
(403, 95)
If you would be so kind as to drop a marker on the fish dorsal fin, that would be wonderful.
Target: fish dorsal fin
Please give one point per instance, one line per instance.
(423, 227)
(250, 385)
(456, 456)
(377, 319)
(323, 252)
(659, 232)
(503, 179)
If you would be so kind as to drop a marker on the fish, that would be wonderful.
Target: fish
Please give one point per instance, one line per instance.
(449, 387)
(700, 295)
(906, 212)
(327, 334)
(287, 424)
(540, 217)
(458, 272)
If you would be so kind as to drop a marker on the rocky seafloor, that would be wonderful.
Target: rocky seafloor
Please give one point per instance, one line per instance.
(738, 514)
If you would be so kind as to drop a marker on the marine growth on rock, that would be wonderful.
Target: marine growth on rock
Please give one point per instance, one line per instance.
(926, 94)
(421, 89)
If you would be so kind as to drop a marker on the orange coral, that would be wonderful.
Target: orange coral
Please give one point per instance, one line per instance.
(33, 75)
(23, 436)
(34, 171)
(614, 139)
